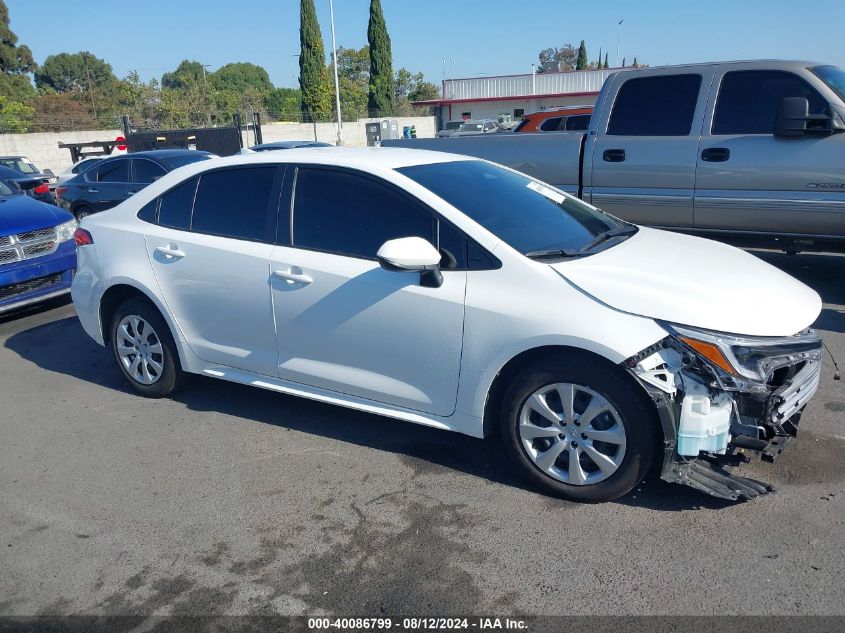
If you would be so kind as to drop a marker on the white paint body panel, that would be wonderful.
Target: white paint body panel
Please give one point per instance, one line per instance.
(345, 331)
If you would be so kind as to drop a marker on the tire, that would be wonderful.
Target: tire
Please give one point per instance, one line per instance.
(153, 370)
(599, 470)
(82, 212)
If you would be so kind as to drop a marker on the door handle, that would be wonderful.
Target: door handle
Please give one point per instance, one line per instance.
(171, 252)
(131, 193)
(614, 155)
(289, 275)
(716, 154)
(92, 190)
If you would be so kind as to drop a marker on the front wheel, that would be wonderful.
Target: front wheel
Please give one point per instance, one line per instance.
(579, 429)
(144, 349)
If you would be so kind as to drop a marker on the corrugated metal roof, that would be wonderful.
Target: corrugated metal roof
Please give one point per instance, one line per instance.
(521, 85)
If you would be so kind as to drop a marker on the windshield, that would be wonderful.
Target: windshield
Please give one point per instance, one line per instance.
(471, 127)
(172, 162)
(524, 213)
(834, 78)
(19, 164)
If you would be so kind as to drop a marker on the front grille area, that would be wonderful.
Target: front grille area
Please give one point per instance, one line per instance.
(23, 287)
(28, 245)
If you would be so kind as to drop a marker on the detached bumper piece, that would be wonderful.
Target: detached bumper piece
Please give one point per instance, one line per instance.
(717, 482)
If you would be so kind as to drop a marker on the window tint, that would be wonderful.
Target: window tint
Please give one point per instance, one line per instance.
(235, 203)
(452, 245)
(578, 122)
(117, 171)
(344, 213)
(748, 100)
(551, 125)
(148, 212)
(146, 171)
(176, 204)
(655, 106)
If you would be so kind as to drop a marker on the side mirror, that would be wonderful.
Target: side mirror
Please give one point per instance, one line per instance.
(794, 120)
(412, 254)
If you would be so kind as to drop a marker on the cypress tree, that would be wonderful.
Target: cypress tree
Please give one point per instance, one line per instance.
(635, 62)
(381, 99)
(606, 65)
(582, 57)
(313, 76)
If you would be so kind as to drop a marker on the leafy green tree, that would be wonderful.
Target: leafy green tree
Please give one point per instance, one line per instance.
(554, 59)
(353, 72)
(140, 101)
(282, 104)
(581, 64)
(188, 71)
(67, 72)
(314, 82)
(241, 76)
(15, 62)
(424, 91)
(56, 112)
(636, 65)
(14, 116)
(381, 99)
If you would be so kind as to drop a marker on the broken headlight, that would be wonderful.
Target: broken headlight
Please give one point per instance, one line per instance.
(750, 358)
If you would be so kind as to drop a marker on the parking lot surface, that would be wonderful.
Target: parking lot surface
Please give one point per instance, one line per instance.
(228, 499)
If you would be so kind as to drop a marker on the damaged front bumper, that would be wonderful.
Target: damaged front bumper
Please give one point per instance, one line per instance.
(712, 418)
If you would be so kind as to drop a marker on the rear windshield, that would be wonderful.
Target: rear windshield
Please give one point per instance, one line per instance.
(172, 162)
(19, 164)
(10, 189)
(526, 214)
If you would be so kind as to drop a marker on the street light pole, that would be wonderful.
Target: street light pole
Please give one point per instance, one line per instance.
(336, 81)
(618, 40)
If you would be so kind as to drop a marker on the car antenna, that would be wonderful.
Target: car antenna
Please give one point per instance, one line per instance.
(836, 375)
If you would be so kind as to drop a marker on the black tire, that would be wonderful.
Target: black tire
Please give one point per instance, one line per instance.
(636, 411)
(81, 212)
(171, 378)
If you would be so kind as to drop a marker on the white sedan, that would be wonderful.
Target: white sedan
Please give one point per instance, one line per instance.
(453, 292)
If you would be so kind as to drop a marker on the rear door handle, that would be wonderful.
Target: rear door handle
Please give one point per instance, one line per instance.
(614, 155)
(92, 190)
(290, 275)
(716, 154)
(171, 252)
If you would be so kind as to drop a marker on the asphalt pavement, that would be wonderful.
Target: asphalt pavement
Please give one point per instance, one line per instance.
(232, 500)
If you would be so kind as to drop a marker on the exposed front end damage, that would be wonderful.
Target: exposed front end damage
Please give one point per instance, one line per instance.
(720, 396)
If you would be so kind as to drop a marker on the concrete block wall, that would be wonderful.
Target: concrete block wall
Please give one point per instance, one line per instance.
(42, 148)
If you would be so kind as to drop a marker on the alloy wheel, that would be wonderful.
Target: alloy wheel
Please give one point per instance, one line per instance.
(139, 349)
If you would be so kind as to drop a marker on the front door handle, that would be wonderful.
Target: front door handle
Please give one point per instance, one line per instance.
(171, 252)
(290, 275)
(614, 155)
(716, 154)
(92, 190)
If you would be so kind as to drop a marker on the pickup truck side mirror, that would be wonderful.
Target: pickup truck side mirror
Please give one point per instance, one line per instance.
(793, 119)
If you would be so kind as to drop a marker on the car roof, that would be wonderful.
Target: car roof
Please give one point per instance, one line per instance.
(290, 144)
(11, 174)
(162, 153)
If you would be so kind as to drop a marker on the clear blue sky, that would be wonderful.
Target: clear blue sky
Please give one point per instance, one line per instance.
(490, 37)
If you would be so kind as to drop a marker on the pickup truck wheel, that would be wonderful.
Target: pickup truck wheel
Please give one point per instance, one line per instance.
(144, 349)
(578, 430)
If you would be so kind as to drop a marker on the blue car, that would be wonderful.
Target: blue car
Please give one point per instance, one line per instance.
(37, 249)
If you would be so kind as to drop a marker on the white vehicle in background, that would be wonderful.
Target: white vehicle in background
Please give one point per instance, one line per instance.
(79, 167)
(455, 293)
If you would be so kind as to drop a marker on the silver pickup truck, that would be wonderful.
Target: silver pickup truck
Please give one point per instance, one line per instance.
(750, 152)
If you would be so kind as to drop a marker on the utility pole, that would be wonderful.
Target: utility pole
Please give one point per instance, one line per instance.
(205, 95)
(90, 91)
(618, 40)
(336, 81)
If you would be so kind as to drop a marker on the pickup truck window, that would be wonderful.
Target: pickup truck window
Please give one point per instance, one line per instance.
(528, 216)
(749, 99)
(834, 78)
(655, 106)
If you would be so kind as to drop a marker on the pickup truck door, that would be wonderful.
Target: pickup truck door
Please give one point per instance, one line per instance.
(644, 149)
(749, 180)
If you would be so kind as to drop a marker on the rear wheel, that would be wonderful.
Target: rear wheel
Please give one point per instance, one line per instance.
(579, 429)
(82, 212)
(144, 349)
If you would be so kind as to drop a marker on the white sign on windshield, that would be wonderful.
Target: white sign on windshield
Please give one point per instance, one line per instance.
(548, 192)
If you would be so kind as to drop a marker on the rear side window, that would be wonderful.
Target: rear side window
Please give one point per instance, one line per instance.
(236, 203)
(146, 171)
(749, 99)
(551, 125)
(655, 106)
(578, 122)
(175, 208)
(344, 213)
(118, 171)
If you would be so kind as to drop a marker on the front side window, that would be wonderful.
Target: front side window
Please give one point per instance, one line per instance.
(146, 171)
(527, 215)
(748, 100)
(655, 106)
(236, 203)
(116, 171)
(834, 78)
(341, 212)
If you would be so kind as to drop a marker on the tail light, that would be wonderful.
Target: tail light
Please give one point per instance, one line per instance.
(59, 191)
(82, 237)
(42, 188)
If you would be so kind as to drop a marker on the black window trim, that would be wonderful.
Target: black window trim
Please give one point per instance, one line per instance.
(410, 198)
(636, 77)
(718, 94)
(114, 161)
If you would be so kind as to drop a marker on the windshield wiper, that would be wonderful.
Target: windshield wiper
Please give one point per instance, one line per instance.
(610, 234)
(554, 252)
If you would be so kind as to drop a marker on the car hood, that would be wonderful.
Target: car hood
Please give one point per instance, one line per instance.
(19, 214)
(697, 282)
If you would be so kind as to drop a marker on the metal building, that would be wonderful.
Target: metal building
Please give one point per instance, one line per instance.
(508, 97)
